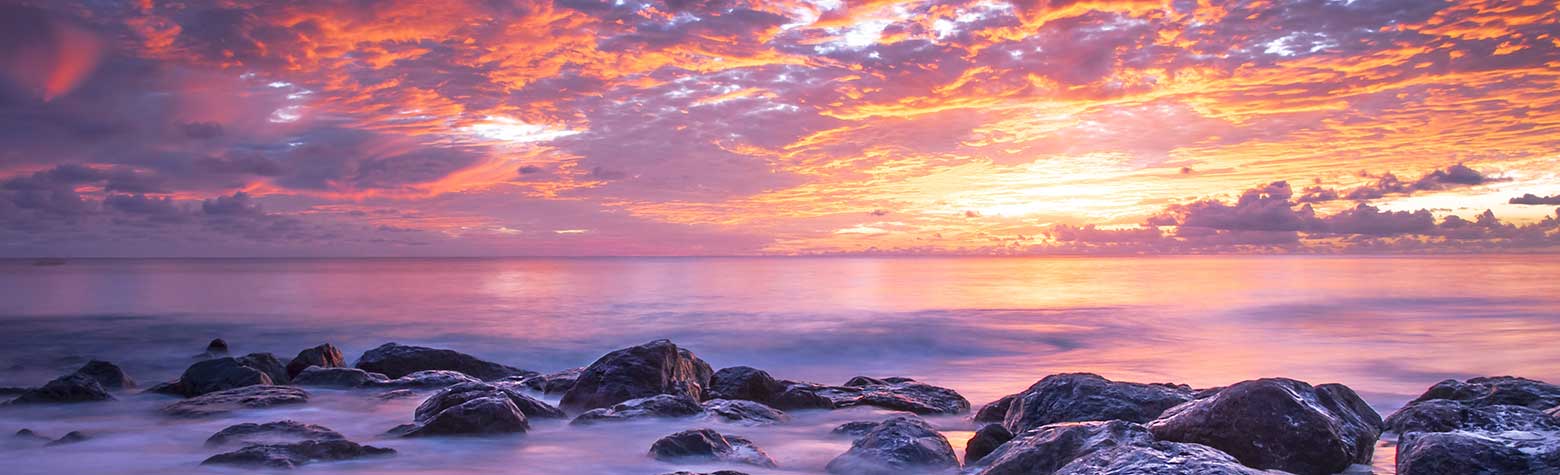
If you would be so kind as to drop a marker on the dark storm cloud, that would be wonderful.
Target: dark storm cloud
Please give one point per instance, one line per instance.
(1532, 199)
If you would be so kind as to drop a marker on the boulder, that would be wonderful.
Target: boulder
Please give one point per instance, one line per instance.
(1079, 397)
(279, 432)
(744, 383)
(491, 413)
(1497, 390)
(460, 393)
(1278, 424)
(396, 394)
(800, 396)
(427, 379)
(658, 406)
(74, 387)
(995, 411)
(1483, 426)
(898, 445)
(1099, 447)
(904, 395)
(247, 397)
(288, 456)
(323, 356)
(1442, 415)
(221, 374)
(552, 384)
(109, 375)
(396, 360)
(1437, 453)
(657, 367)
(216, 349)
(736, 411)
(855, 429)
(985, 440)
(705, 445)
(864, 381)
(267, 363)
(338, 377)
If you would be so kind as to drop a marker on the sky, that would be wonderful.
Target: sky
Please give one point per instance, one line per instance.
(777, 127)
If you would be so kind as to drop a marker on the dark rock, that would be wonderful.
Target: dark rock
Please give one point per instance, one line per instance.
(985, 440)
(1443, 415)
(896, 446)
(1437, 453)
(217, 375)
(855, 428)
(1483, 426)
(71, 437)
(268, 364)
(109, 375)
(491, 413)
(744, 383)
(395, 360)
(1079, 397)
(433, 378)
(657, 367)
(279, 432)
(705, 445)
(1279, 424)
(657, 406)
(396, 394)
(287, 456)
(216, 349)
(12, 390)
(323, 356)
(460, 393)
(74, 387)
(339, 377)
(742, 412)
(1100, 447)
(995, 411)
(909, 396)
(552, 384)
(800, 396)
(1498, 390)
(864, 381)
(247, 397)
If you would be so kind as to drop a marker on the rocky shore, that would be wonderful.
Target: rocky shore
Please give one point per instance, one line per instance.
(1074, 423)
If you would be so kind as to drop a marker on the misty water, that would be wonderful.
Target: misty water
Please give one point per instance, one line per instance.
(1387, 327)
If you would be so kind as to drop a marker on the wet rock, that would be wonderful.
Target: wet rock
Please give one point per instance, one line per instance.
(800, 396)
(323, 356)
(490, 413)
(1098, 447)
(736, 411)
(744, 383)
(1441, 415)
(71, 388)
(1485, 426)
(657, 406)
(908, 396)
(995, 411)
(864, 381)
(1078, 397)
(396, 360)
(288, 456)
(216, 349)
(220, 374)
(460, 393)
(279, 432)
(247, 397)
(428, 379)
(396, 394)
(985, 440)
(899, 445)
(705, 445)
(268, 364)
(1437, 453)
(339, 377)
(1279, 424)
(71, 437)
(552, 384)
(657, 367)
(855, 428)
(1497, 390)
(109, 375)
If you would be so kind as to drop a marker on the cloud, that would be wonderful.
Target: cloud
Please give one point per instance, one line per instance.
(1532, 199)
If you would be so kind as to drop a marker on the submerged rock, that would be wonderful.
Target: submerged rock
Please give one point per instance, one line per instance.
(396, 360)
(288, 456)
(985, 440)
(224, 373)
(339, 377)
(903, 395)
(71, 388)
(705, 445)
(1483, 426)
(855, 428)
(1079, 397)
(460, 393)
(1098, 447)
(1279, 424)
(657, 367)
(323, 356)
(433, 378)
(107, 374)
(491, 413)
(71, 437)
(552, 384)
(898, 445)
(658, 406)
(28, 436)
(742, 412)
(248, 397)
(279, 432)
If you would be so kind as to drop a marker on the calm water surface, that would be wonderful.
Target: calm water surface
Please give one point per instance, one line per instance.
(1388, 327)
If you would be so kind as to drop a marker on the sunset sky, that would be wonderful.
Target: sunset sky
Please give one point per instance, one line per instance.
(575, 127)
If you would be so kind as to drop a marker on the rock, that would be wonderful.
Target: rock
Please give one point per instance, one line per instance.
(658, 406)
(27, 435)
(268, 364)
(705, 445)
(433, 378)
(864, 381)
(898, 445)
(552, 384)
(1442, 415)
(1497, 390)
(985, 440)
(323, 356)
(216, 349)
(221, 374)
(1078, 397)
(396, 360)
(744, 383)
(339, 377)
(800, 396)
(855, 428)
(657, 367)
(71, 437)
(995, 411)
(396, 394)
(109, 375)
(490, 413)
(742, 412)
(279, 432)
(1437, 453)
(1279, 424)
(460, 393)
(1100, 447)
(247, 397)
(909, 396)
(71, 388)
(287, 456)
